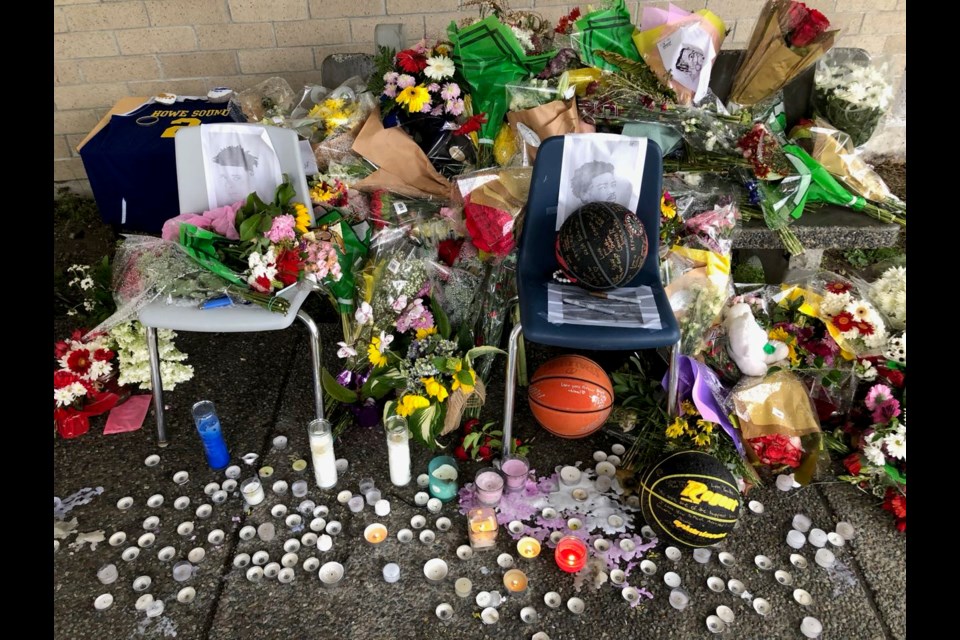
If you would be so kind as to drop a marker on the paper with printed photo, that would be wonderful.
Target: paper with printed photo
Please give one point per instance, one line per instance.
(600, 167)
(238, 160)
(688, 56)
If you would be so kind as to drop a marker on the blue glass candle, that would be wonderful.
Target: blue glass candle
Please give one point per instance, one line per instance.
(208, 426)
(443, 473)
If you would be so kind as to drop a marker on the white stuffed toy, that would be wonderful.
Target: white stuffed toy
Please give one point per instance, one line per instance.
(748, 343)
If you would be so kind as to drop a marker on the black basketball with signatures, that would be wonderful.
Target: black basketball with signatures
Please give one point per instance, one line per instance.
(602, 245)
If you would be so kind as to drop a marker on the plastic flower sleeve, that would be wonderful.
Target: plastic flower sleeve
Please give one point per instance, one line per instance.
(779, 424)
(271, 98)
(493, 200)
(607, 29)
(489, 57)
(852, 91)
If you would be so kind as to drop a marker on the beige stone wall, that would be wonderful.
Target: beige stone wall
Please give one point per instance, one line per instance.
(108, 49)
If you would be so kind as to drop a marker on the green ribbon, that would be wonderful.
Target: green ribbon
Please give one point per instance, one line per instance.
(822, 186)
(489, 57)
(607, 30)
(201, 245)
(354, 252)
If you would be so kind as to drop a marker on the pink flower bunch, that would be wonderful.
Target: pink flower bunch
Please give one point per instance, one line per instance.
(321, 259)
(282, 229)
(881, 402)
(414, 317)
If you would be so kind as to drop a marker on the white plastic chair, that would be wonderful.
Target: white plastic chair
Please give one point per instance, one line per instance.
(191, 184)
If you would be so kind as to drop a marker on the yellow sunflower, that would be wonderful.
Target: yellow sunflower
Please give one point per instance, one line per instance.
(303, 217)
(781, 334)
(414, 98)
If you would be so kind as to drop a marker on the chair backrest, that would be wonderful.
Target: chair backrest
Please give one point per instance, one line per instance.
(191, 173)
(537, 259)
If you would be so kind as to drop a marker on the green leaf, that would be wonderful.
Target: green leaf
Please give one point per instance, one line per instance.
(380, 385)
(481, 351)
(285, 192)
(422, 425)
(250, 228)
(440, 319)
(471, 439)
(464, 377)
(895, 475)
(336, 390)
(444, 364)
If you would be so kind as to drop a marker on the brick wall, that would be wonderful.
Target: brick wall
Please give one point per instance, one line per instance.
(108, 49)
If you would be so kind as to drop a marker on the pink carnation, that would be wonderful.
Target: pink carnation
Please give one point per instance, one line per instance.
(450, 91)
(390, 77)
(282, 229)
(877, 395)
(405, 81)
(390, 90)
(455, 107)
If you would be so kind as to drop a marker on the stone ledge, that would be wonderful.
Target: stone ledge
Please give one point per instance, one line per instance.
(826, 228)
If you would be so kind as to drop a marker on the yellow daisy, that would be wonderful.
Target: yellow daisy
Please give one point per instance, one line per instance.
(410, 403)
(705, 426)
(414, 98)
(687, 408)
(434, 388)
(676, 429)
(701, 440)
(667, 209)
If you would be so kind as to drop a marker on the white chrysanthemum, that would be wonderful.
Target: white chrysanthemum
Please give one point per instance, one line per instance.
(875, 455)
(889, 293)
(439, 68)
(86, 283)
(834, 303)
(99, 369)
(878, 340)
(897, 444)
(64, 396)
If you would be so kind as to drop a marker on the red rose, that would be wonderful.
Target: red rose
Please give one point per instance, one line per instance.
(460, 453)
(485, 453)
(288, 266)
(63, 378)
(852, 463)
(810, 29)
(449, 251)
(470, 425)
(796, 14)
(491, 229)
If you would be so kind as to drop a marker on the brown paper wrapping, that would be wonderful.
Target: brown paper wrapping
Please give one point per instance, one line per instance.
(457, 403)
(775, 404)
(555, 118)
(403, 166)
(770, 64)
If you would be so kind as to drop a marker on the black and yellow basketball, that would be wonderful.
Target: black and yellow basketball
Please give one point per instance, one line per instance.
(602, 245)
(691, 498)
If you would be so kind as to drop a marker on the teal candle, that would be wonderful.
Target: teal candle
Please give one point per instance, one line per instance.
(443, 472)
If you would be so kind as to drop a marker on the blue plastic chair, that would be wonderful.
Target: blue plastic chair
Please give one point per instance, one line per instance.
(537, 262)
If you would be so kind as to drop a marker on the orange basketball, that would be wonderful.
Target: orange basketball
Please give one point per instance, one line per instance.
(571, 396)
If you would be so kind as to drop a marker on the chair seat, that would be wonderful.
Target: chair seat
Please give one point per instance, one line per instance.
(233, 319)
(536, 327)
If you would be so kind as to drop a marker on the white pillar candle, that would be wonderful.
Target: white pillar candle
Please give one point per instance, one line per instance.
(398, 450)
(321, 449)
(570, 475)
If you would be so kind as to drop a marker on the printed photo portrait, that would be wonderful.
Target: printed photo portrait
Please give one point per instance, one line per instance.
(600, 168)
(238, 161)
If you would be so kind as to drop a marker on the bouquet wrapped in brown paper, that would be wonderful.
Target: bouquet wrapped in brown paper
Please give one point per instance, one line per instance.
(788, 38)
(402, 166)
(555, 118)
(779, 424)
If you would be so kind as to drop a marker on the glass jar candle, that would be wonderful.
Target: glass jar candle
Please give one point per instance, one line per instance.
(571, 554)
(321, 449)
(482, 528)
(398, 450)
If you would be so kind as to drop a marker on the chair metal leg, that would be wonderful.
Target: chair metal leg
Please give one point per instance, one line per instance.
(510, 392)
(316, 362)
(673, 381)
(157, 383)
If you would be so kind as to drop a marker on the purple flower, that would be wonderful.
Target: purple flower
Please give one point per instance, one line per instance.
(405, 81)
(426, 108)
(886, 411)
(390, 77)
(390, 91)
(433, 87)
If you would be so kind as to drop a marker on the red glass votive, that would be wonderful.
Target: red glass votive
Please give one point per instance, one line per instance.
(571, 554)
